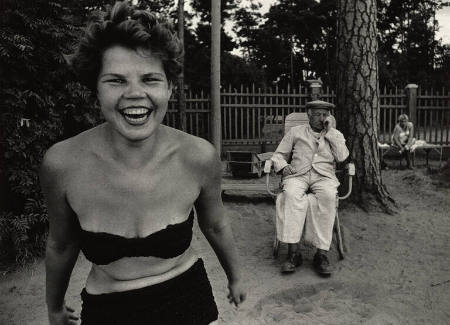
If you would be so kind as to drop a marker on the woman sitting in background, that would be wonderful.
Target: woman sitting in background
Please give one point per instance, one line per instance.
(403, 138)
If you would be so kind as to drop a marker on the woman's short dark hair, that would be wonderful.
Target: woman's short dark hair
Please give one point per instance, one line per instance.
(132, 28)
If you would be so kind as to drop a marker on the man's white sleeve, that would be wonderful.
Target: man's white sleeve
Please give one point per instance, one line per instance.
(337, 143)
(281, 156)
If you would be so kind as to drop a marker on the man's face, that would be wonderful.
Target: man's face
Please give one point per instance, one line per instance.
(316, 118)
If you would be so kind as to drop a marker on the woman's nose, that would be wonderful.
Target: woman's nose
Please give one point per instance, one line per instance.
(134, 90)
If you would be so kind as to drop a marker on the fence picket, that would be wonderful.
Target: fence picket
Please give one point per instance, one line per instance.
(245, 111)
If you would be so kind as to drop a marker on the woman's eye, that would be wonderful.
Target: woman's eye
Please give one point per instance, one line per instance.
(148, 80)
(116, 81)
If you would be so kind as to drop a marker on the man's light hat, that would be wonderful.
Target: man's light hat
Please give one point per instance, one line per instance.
(316, 104)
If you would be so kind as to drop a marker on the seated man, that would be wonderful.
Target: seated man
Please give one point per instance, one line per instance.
(314, 148)
(403, 138)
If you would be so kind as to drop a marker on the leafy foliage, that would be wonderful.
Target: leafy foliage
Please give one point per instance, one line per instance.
(234, 69)
(292, 41)
(296, 40)
(408, 48)
(38, 108)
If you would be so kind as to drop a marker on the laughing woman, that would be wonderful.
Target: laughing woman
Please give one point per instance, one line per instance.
(123, 192)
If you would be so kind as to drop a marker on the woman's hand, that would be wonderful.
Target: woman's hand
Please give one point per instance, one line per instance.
(237, 293)
(65, 316)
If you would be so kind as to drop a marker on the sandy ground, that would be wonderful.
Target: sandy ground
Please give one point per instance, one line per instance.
(397, 269)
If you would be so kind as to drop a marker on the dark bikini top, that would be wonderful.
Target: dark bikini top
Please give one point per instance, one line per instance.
(103, 248)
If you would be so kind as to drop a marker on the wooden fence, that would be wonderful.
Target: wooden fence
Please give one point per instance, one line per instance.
(197, 114)
(433, 116)
(245, 111)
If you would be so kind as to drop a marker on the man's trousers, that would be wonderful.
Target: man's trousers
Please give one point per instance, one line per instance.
(314, 212)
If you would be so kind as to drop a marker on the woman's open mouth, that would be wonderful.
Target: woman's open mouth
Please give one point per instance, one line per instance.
(136, 115)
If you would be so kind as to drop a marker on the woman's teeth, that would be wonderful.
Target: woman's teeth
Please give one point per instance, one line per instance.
(136, 115)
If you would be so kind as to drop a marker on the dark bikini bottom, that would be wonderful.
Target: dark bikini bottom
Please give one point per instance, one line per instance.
(186, 299)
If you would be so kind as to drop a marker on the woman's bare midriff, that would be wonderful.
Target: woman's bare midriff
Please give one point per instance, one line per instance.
(131, 273)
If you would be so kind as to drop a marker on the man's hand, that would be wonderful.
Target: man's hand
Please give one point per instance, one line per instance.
(329, 123)
(288, 170)
(65, 316)
(237, 294)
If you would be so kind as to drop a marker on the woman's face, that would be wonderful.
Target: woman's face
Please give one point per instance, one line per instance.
(133, 92)
(403, 123)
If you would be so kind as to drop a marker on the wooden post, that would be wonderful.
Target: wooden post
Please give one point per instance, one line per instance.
(411, 92)
(316, 88)
(215, 76)
(292, 62)
(181, 95)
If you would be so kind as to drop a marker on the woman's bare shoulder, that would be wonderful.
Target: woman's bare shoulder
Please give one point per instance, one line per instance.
(194, 149)
(65, 153)
(201, 151)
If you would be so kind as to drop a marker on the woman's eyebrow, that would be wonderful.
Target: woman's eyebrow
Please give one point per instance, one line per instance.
(111, 74)
(118, 75)
(153, 74)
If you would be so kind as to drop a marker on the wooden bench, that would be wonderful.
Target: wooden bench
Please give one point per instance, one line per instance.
(385, 148)
(260, 187)
(243, 163)
(431, 147)
(244, 187)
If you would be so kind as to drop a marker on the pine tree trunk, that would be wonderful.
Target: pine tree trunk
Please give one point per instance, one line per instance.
(358, 97)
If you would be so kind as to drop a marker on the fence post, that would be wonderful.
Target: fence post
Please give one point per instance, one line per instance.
(216, 114)
(411, 93)
(315, 88)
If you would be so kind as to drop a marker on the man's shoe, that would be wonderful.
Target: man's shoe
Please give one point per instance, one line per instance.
(322, 264)
(291, 263)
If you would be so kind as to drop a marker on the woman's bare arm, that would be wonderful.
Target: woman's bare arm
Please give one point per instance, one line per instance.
(411, 135)
(62, 247)
(215, 225)
(396, 136)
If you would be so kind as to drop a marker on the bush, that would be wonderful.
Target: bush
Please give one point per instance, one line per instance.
(38, 108)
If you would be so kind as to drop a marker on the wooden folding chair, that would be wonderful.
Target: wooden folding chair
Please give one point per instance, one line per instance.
(295, 119)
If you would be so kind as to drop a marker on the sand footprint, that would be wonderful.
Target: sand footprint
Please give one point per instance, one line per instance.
(323, 303)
